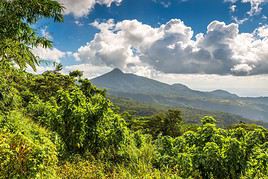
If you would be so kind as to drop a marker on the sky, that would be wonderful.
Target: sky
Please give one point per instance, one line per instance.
(204, 44)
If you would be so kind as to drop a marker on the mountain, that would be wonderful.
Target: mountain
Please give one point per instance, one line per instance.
(146, 90)
(117, 81)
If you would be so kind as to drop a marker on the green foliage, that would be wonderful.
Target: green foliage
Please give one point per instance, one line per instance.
(61, 126)
(212, 152)
(17, 37)
(79, 119)
(82, 117)
(46, 85)
(78, 167)
(139, 164)
(166, 123)
(9, 93)
(208, 120)
(26, 150)
(76, 73)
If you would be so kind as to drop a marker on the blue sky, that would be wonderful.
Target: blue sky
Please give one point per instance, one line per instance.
(197, 14)
(168, 40)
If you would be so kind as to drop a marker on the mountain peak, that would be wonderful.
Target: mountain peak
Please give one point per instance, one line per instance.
(116, 71)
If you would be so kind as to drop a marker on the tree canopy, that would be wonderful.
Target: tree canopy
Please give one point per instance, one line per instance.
(17, 36)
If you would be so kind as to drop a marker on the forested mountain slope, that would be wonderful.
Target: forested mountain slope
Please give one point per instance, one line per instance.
(190, 115)
(146, 90)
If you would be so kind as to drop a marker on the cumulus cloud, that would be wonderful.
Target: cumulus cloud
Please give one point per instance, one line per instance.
(117, 45)
(50, 54)
(172, 48)
(80, 8)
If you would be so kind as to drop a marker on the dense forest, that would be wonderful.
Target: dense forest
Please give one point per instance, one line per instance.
(55, 125)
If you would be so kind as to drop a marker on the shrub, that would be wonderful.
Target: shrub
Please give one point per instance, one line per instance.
(211, 152)
(26, 150)
(84, 124)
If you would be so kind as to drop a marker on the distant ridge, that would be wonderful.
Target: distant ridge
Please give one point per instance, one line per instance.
(127, 82)
(143, 89)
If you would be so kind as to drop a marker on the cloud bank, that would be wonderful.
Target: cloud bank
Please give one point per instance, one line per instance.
(173, 48)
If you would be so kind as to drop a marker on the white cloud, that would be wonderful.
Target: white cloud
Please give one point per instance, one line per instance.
(172, 48)
(40, 69)
(255, 5)
(89, 70)
(80, 8)
(239, 21)
(264, 17)
(50, 54)
(262, 31)
(233, 8)
(117, 45)
(242, 68)
(79, 23)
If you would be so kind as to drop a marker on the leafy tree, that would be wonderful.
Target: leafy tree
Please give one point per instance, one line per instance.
(166, 123)
(17, 37)
(79, 113)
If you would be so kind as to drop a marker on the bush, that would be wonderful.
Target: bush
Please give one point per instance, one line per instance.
(211, 152)
(26, 150)
(84, 124)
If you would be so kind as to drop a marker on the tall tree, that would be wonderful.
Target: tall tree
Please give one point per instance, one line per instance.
(17, 36)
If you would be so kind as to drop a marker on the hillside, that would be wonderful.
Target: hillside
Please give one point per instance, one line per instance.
(146, 90)
(190, 115)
